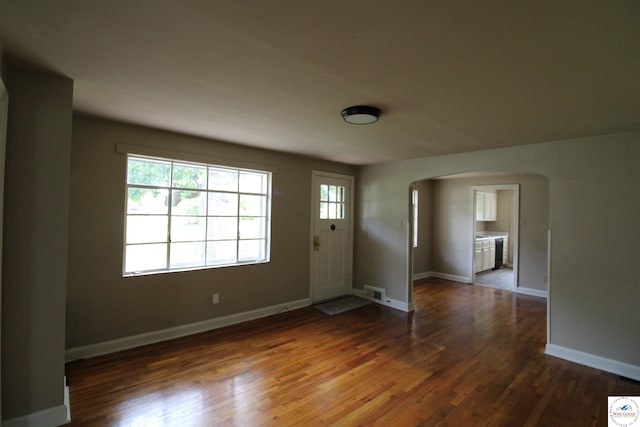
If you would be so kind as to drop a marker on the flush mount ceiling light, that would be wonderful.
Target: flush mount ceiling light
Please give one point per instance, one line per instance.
(361, 114)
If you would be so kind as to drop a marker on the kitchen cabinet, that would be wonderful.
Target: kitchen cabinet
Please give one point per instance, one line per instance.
(486, 206)
(484, 254)
(479, 206)
(488, 254)
(490, 206)
(477, 256)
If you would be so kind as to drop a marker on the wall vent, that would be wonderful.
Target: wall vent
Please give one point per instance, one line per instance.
(373, 293)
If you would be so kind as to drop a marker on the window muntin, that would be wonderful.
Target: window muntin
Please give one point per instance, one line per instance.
(182, 215)
(332, 201)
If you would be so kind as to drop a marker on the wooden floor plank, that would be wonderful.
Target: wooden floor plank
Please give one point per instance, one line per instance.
(468, 355)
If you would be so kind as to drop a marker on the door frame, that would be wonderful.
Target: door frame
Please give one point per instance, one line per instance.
(4, 113)
(513, 240)
(312, 221)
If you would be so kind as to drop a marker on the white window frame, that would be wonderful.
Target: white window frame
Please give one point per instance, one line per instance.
(267, 224)
(414, 206)
(332, 207)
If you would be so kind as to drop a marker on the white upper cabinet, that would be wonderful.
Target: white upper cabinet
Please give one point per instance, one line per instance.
(490, 206)
(479, 206)
(486, 206)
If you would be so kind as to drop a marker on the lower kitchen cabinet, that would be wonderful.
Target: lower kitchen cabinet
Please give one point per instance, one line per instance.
(485, 253)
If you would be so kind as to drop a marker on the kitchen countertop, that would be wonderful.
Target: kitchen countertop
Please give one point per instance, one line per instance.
(488, 235)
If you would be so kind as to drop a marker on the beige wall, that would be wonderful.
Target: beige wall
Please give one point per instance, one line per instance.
(35, 242)
(453, 227)
(594, 200)
(102, 305)
(423, 253)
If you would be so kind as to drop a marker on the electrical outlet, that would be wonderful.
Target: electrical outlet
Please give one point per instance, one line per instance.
(215, 298)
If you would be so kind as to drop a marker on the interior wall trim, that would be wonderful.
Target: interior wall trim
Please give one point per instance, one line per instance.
(614, 366)
(464, 279)
(423, 275)
(389, 302)
(446, 276)
(126, 343)
(532, 292)
(50, 417)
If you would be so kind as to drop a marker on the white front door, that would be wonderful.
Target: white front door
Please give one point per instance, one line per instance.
(331, 235)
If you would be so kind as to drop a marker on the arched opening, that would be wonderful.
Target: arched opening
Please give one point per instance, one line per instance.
(449, 223)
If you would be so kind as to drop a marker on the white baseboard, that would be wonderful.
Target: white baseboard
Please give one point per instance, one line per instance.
(423, 275)
(389, 302)
(67, 400)
(446, 276)
(532, 292)
(50, 417)
(125, 343)
(593, 361)
(398, 305)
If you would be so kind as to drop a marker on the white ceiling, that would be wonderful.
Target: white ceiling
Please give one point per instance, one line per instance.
(450, 76)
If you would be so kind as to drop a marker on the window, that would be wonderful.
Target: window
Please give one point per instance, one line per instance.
(184, 216)
(414, 205)
(331, 202)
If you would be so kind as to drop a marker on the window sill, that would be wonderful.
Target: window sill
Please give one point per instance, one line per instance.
(186, 269)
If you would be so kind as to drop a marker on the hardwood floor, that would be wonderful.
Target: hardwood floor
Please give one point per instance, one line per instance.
(467, 356)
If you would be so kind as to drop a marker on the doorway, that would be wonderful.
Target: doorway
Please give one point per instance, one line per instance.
(494, 237)
(331, 235)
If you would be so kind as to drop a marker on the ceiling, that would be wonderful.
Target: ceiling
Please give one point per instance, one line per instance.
(449, 76)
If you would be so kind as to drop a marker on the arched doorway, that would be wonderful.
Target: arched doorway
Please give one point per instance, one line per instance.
(446, 228)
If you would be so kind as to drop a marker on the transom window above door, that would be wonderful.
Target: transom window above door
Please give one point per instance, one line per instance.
(332, 201)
